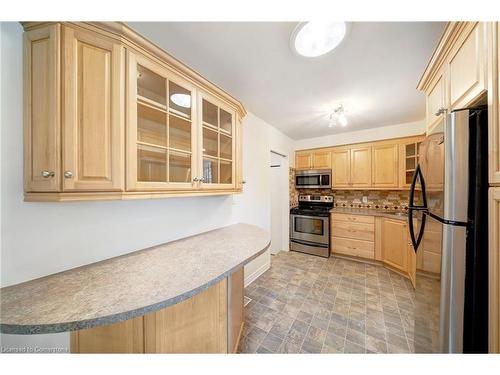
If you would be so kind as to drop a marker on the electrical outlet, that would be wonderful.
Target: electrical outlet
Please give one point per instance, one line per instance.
(365, 199)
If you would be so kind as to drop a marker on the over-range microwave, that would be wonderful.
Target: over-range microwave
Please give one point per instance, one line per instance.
(313, 178)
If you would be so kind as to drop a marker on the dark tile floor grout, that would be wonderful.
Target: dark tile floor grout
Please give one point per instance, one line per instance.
(307, 304)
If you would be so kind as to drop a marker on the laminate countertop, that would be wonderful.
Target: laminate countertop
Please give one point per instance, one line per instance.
(130, 285)
(370, 212)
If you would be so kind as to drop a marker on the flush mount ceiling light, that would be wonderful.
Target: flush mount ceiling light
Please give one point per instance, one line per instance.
(315, 38)
(182, 100)
(338, 117)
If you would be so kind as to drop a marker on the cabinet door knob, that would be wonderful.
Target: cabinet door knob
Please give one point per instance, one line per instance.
(243, 182)
(68, 174)
(195, 179)
(202, 179)
(47, 174)
(440, 111)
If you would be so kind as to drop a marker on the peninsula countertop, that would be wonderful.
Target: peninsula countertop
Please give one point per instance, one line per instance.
(130, 285)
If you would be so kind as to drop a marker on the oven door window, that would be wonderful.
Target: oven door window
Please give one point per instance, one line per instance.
(309, 225)
(312, 180)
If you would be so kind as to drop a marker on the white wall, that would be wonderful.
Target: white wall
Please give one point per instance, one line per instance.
(367, 135)
(38, 239)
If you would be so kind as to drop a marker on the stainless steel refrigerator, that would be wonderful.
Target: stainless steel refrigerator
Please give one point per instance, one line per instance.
(450, 187)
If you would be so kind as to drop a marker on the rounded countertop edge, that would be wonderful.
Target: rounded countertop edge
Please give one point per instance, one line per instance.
(31, 329)
(368, 212)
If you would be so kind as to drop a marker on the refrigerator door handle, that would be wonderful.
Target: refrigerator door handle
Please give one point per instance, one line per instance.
(415, 240)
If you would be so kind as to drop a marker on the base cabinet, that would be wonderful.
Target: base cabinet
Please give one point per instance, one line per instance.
(394, 244)
(209, 322)
(494, 270)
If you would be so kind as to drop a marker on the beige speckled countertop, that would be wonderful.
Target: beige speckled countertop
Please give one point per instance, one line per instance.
(370, 212)
(130, 285)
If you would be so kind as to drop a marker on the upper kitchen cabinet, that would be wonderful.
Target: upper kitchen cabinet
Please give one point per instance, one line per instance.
(494, 102)
(385, 165)
(109, 115)
(361, 167)
(42, 131)
(93, 108)
(409, 152)
(161, 137)
(456, 74)
(341, 168)
(320, 159)
(218, 147)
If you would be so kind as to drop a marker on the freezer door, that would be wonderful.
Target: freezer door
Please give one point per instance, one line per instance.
(452, 289)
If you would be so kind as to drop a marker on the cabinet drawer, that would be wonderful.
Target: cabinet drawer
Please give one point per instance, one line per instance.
(347, 229)
(359, 248)
(353, 218)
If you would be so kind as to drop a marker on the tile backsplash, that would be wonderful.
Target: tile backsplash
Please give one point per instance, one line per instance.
(392, 200)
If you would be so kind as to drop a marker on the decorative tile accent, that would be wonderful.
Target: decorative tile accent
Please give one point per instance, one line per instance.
(336, 305)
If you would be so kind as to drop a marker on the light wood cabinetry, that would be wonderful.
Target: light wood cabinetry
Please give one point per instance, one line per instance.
(394, 244)
(429, 253)
(341, 168)
(122, 119)
(321, 159)
(209, 322)
(436, 101)
(353, 235)
(494, 102)
(361, 167)
(235, 306)
(93, 122)
(456, 75)
(42, 131)
(385, 166)
(494, 269)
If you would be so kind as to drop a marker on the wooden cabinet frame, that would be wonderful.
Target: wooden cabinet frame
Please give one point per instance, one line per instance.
(55, 145)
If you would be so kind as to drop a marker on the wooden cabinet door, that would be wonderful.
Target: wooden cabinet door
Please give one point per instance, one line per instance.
(322, 160)
(303, 160)
(235, 309)
(361, 167)
(466, 67)
(394, 244)
(93, 123)
(385, 166)
(494, 269)
(494, 105)
(412, 262)
(42, 144)
(341, 168)
(435, 101)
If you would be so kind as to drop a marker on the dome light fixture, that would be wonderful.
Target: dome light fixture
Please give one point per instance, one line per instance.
(182, 100)
(316, 38)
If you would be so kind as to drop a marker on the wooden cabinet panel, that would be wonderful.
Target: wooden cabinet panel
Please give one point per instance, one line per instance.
(354, 230)
(341, 168)
(494, 269)
(385, 166)
(466, 67)
(352, 247)
(235, 314)
(494, 103)
(394, 244)
(353, 218)
(93, 146)
(435, 101)
(322, 160)
(361, 167)
(42, 169)
(412, 264)
(122, 337)
(303, 160)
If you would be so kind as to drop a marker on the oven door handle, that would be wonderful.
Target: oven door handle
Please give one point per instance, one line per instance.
(308, 243)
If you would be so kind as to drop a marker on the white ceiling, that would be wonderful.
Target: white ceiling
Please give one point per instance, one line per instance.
(373, 73)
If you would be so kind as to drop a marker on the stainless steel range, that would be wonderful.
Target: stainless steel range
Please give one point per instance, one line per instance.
(310, 225)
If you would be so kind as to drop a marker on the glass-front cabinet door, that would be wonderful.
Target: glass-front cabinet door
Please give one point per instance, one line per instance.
(217, 144)
(161, 134)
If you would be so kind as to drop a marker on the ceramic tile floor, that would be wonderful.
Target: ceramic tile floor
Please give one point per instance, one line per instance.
(308, 304)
